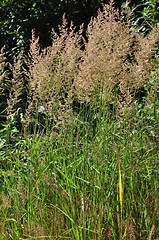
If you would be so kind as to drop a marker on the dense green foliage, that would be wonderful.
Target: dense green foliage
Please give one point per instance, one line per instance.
(67, 185)
(18, 18)
(146, 15)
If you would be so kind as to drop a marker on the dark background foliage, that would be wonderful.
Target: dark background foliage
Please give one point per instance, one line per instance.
(18, 18)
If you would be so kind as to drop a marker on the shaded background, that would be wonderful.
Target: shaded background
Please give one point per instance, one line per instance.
(18, 18)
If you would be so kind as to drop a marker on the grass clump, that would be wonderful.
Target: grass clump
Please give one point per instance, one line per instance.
(82, 162)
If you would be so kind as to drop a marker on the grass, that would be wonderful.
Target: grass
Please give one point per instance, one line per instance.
(82, 162)
(96, 179)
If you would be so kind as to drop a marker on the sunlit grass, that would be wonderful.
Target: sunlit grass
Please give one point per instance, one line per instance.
(82, 183)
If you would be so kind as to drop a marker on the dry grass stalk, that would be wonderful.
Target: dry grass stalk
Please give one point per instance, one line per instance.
(17, 84)
(4, 81)
(109, 42)
(151, 232)
(114, 56)
(2, 66)
(52, 70)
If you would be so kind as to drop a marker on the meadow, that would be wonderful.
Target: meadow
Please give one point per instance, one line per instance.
(79, 152)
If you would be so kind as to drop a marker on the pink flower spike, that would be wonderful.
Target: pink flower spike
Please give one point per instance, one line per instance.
(7, 122)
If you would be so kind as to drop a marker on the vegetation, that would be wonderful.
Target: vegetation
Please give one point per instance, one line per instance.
(146, 15)
(79, 147)
(18, 18)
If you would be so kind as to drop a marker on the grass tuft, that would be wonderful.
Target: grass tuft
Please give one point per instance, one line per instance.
(79, 160)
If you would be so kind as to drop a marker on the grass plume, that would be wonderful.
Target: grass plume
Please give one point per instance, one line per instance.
(86, 108)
